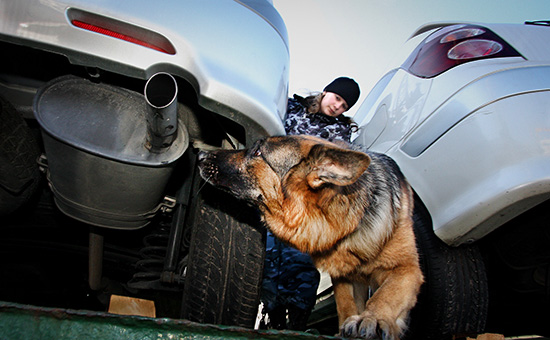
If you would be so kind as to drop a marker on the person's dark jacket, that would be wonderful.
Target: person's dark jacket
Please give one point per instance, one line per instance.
(299, 122)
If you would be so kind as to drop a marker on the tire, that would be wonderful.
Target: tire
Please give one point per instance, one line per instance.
(225, 264)
(19, 173)
(454, 298)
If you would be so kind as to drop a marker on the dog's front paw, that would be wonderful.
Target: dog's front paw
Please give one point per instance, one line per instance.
(368, 327)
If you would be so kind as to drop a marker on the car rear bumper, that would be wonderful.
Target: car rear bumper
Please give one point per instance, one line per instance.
(235, 59)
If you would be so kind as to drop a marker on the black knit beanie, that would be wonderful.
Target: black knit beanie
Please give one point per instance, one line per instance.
(346, 88)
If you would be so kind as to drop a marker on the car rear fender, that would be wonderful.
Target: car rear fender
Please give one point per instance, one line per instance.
(487, 169)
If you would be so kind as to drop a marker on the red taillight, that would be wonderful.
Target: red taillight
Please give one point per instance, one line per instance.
(473, 49)
(120, 30)
(455, 45)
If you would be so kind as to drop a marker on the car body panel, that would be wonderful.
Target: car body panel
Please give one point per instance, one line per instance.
(469, 193)
(473, 141)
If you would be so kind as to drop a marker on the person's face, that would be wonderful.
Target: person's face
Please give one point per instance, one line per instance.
(333, 105)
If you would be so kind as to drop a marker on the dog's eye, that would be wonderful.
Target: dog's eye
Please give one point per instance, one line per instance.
(257, 153)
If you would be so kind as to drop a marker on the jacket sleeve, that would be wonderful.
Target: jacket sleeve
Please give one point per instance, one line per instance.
(296, 120)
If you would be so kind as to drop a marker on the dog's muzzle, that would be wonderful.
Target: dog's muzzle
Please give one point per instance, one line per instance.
(207, 168)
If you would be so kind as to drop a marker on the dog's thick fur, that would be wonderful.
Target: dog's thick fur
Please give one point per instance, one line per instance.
(350, 210)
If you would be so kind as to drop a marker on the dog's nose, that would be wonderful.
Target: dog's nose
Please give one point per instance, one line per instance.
(202, 155)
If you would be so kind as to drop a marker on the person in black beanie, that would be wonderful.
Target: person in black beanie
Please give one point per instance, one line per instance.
(321, 114)
(289, 287)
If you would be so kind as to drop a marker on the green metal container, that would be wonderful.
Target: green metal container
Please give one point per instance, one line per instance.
(18, 322)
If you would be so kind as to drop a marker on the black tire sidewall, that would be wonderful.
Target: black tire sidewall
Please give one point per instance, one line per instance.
(225, 264)
(454, 298)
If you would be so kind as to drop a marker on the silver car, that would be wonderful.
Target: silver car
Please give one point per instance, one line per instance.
(467, 118)
(103, 106)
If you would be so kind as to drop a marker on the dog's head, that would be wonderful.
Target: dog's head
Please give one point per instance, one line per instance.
(279, 166)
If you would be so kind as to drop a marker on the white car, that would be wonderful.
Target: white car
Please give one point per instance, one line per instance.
(113, 98)
(467, 118)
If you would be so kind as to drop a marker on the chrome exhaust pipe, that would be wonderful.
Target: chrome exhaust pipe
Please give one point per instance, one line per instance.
(161, 92)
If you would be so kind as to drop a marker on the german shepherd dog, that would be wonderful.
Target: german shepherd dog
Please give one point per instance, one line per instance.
(350, 210)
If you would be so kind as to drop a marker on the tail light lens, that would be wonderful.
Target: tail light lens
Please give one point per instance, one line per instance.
(120, 30)
(455, 45)
(472, 49)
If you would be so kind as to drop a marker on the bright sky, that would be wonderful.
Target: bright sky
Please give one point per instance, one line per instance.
(360, 38)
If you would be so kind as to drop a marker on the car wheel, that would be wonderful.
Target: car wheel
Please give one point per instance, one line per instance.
(225, 264)
(454, 298)
(19, 173)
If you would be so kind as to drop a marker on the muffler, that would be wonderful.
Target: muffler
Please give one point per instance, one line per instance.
(110, 151)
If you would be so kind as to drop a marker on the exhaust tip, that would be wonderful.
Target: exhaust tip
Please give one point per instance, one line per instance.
(161, 92)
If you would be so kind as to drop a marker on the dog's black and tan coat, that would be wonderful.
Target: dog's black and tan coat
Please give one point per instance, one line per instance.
(351, 210)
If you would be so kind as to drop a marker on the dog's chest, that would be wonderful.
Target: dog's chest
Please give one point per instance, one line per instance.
(337, 262)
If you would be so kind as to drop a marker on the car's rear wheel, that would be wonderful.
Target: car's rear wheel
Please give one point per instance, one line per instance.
(454, 298)
(19, 174)
(225, 264)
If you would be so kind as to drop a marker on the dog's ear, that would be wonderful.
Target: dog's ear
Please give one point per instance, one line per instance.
(335, 165)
